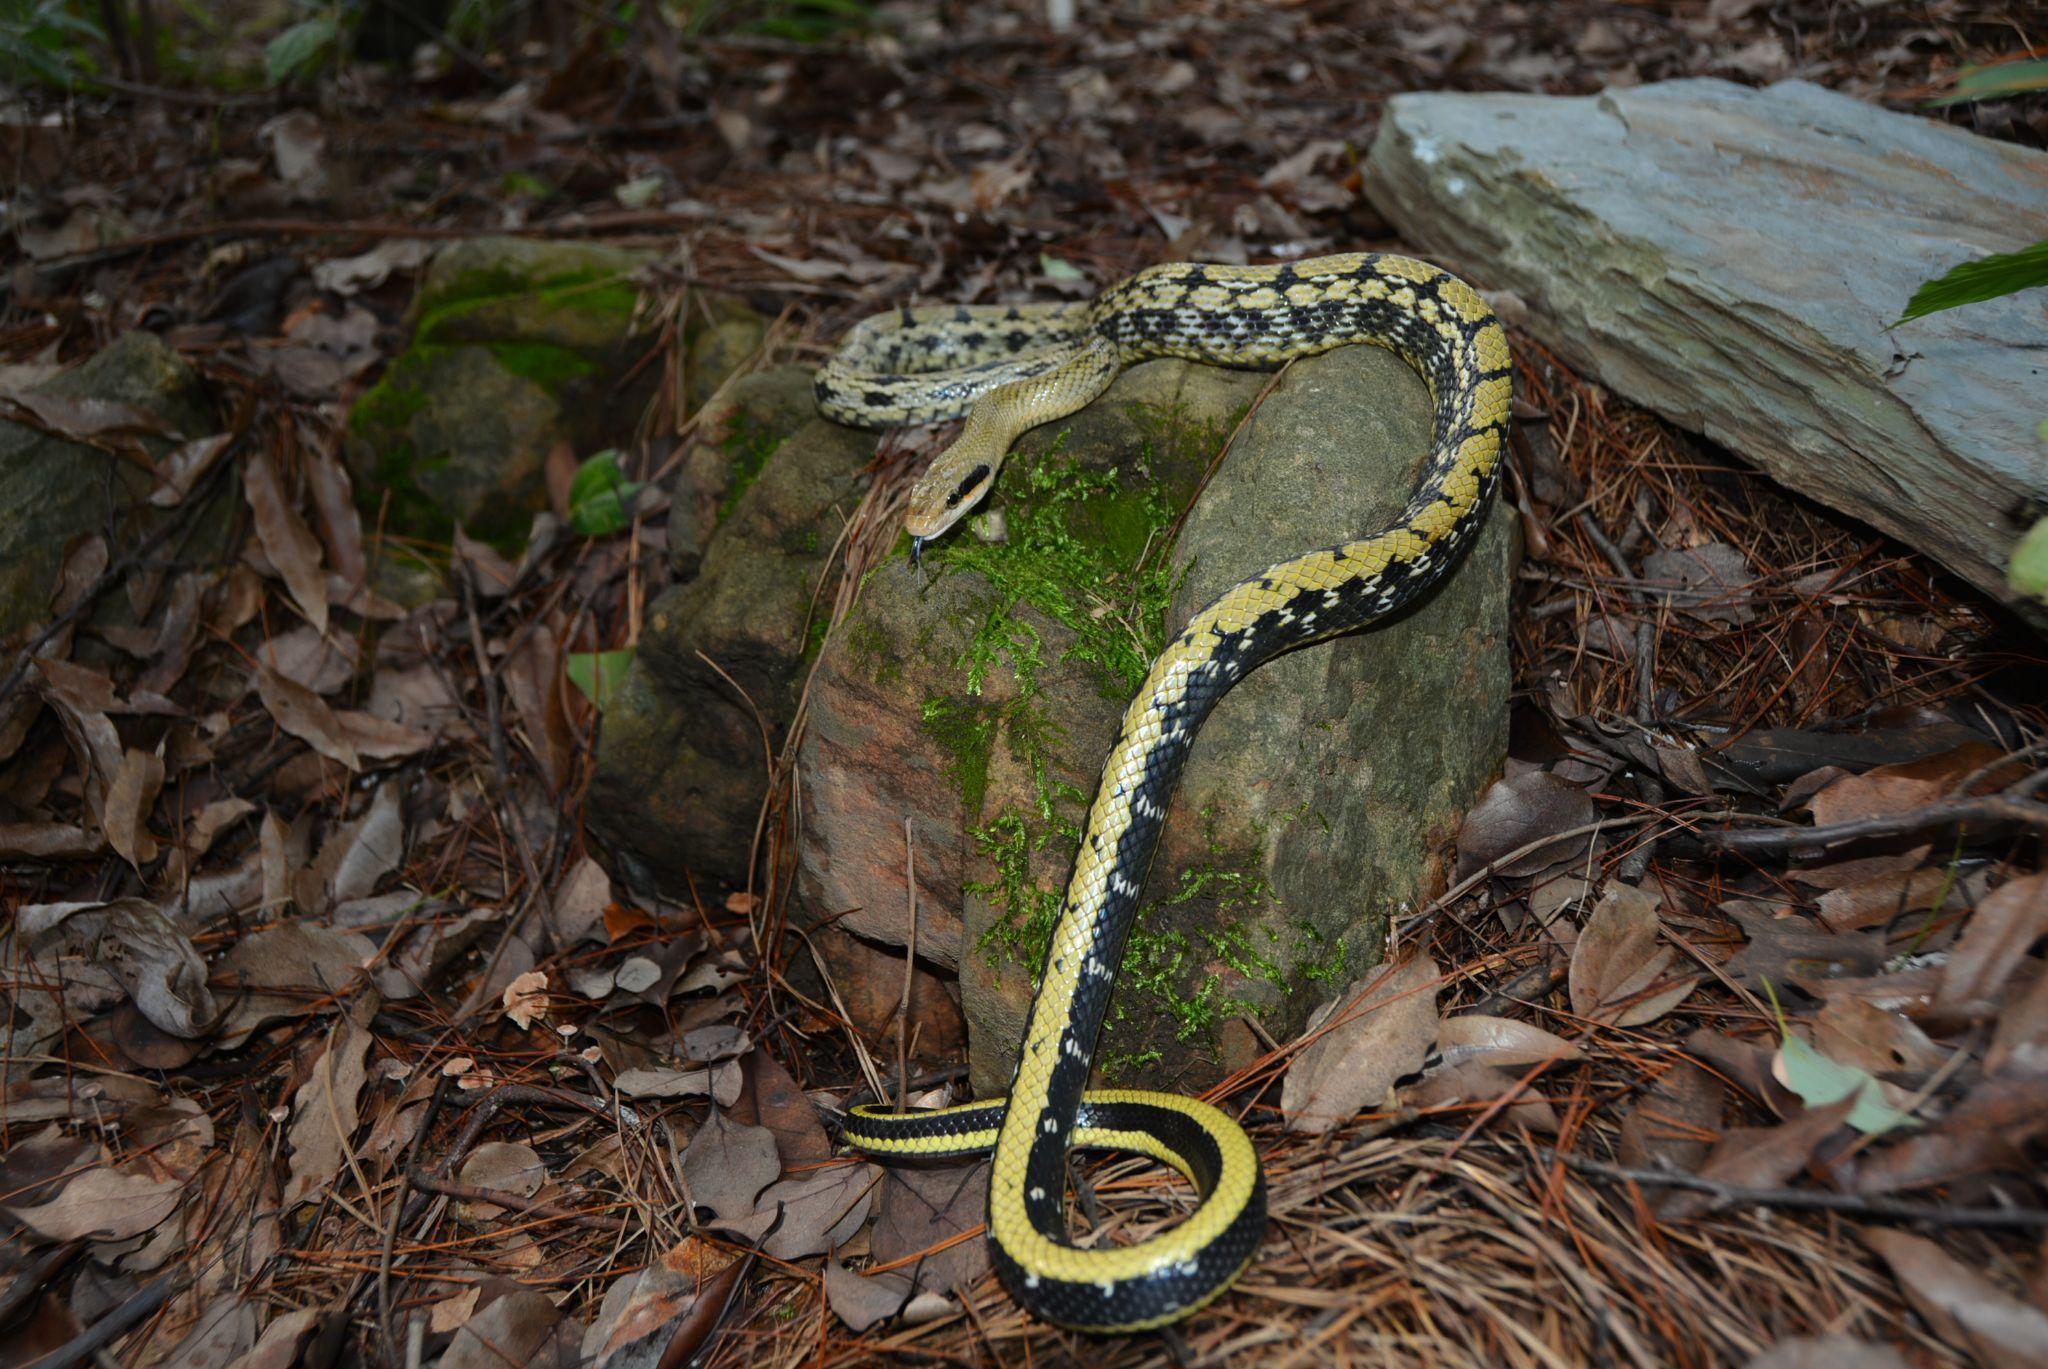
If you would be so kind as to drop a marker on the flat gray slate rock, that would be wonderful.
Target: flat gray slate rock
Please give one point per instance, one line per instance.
(1731, 257)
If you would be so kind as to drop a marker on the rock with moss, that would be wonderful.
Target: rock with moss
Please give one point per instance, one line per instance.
(57, 491)
(516, 345)
(681, 770)
(733, 442)
(1316, 804)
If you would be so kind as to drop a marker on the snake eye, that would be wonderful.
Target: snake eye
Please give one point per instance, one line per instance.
(967, 485)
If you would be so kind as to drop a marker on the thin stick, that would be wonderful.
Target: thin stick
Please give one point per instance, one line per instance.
(909, 972)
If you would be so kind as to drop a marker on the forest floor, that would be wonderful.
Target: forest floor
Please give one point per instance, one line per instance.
(1736, 1084)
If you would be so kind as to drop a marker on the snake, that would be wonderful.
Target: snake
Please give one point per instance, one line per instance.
(1006, 368)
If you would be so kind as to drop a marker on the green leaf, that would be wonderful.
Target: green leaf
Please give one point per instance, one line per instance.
(1820, 1081)
(2027, 572)
(600, 496)
(2002, 273)
(299, 47)
(1991, 82)
(598, 673)
(1056, 269)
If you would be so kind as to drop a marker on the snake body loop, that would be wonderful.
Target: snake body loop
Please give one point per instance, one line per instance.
(1008, 368)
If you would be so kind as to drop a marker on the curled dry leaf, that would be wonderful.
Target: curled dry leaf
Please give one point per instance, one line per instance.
(154, 961)
(179, 473)
(819, 1212)
(646, 1315)
(1619, 971)
(287, 541)
(1989, 1130)
(104, 1205)
(865, 1300)
(288, 971)
(773, 1099)
(585, 893)
(513, 1330)
(1874, 902)
(728, 1164)
(1515, 812)
(1384, 1026)
(1965, 1309)
(1477, 1083)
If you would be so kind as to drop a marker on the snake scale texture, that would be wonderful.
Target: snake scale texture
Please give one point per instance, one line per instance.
(1007, 368)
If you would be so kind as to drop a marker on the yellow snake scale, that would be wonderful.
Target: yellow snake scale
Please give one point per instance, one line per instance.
(1017, 366)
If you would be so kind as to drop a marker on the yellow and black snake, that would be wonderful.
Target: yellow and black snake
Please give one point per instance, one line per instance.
(1009, 368)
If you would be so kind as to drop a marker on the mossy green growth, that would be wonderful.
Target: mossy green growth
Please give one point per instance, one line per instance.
(747, 447)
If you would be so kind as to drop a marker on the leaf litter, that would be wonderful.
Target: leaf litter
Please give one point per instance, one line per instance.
(321, 1000)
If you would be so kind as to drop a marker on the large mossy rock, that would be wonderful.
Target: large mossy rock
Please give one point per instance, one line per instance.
(57, 491)
(516, 345)
(1735, 259)
(680, 766)
(979, 705)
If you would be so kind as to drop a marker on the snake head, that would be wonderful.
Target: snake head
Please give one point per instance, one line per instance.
(945, 494)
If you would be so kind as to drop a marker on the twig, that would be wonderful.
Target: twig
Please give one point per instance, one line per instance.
(1855, 1204)
(499, 1197)
(909, 972)
(1992, 808)
(142, 1305)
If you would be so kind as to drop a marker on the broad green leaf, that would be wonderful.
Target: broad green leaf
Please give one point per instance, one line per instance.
(1056, 269)
(2027, 572)
(598, 673)
(1820, 1081)
(2002, 273)
(600, 495)
(1991, 82)
(299, 47)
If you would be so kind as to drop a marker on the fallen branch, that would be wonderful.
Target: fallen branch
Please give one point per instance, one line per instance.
(1990, 810)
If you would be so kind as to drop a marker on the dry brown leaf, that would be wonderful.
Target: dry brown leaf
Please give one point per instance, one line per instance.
(1829, 1352)
(728, 1164)
(1989, 1130)
(508, 1166)
(514, 1330)
(154, 961)
(2019, 1045)
(179, 473)
(1795, 950)
(1499, 1041)
(334, 503)
(2009, 920)
(721, 1083)
(324, 1112)
(1853, 1032)
(1477, 1083)
(819, 1212)
(301, 712)
(288, 971)
(129, 800)
(1965, 1309)
(773, 1100)
(1758, 1157)
(322, 662)
(1618, 961)
(1874, 902)
(1515, 812)
(586, 891)
(1674, 1121)
(1384, 1027)
(48, 841)
(289, 544)
(104, 1205)
(1711, 582)
(278, 1346)
(865, 1300)
(923, 1207)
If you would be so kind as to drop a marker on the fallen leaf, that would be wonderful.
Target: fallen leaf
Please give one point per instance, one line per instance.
(2007, 921)
(1963, 1307)
(1674, 1122)
(715, 1041)
(773, 1100)
(923, 1207)
(180, 472)
(1384, 1027)
(1515, 812)
(1618, 960)
(819, 1213)
(508, 1166)
(1820, 1081)
(288, 543)
(1710, 582)
(1793, 950)
(322, 662)
(1756, 1157)
(1866, 1036)
(288, 971)
(301, 712)
(1476, 1083)
(580, 903)
(513, 1330)
(1876, 901)
(129, 799)
(324, 1113)
(1990, 1129)
(1829, 1352)
(154, 961)
(721, 1083)
(728, 1164)
(1499, 1041)
(104, 1204)
(278, 1347)
(865, 1300)
(2019, 1044)
(48, 841)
